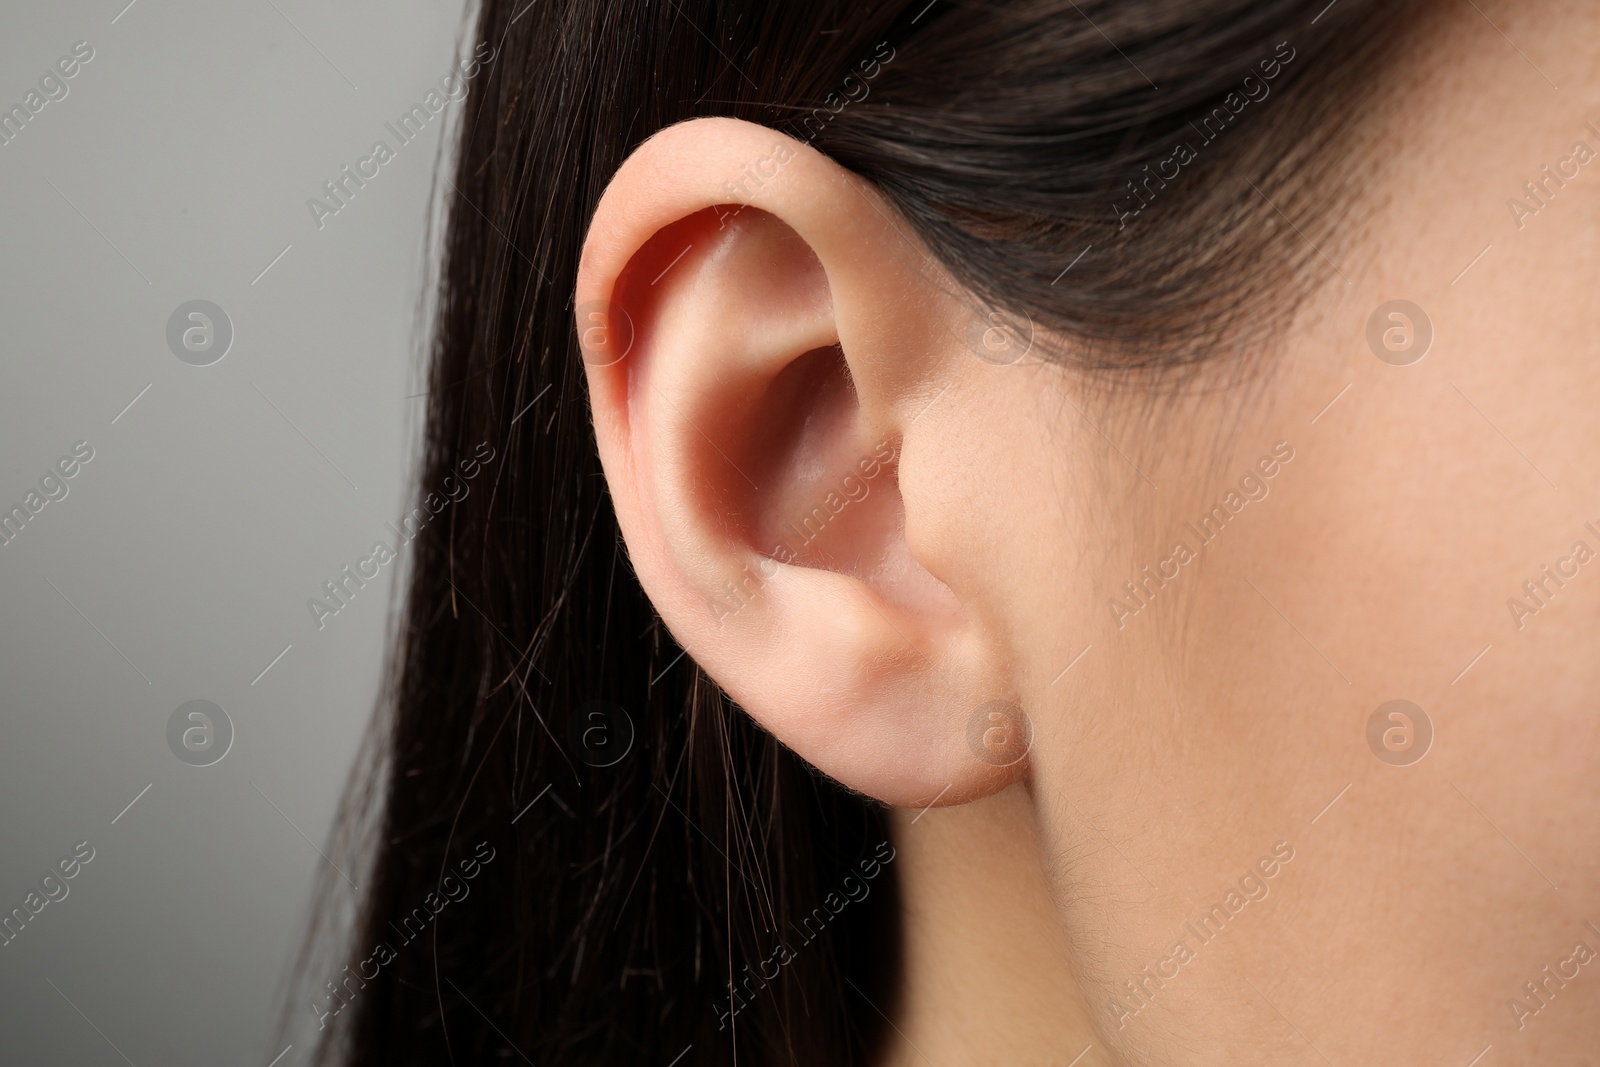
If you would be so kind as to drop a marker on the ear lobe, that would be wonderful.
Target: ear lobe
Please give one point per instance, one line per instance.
(755, 372)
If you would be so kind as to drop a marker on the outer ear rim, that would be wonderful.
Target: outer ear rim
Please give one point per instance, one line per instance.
(646, 195)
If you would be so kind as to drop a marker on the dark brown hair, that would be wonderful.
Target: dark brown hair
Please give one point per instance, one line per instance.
(552, 880)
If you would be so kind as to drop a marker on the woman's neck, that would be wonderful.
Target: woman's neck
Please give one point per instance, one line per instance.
(987, 978)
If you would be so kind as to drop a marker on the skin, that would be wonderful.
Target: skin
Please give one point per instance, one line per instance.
(1229, 715)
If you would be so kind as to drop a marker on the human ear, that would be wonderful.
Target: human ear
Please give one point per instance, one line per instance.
(751, 343)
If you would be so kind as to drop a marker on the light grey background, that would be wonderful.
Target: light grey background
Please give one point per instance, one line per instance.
(177, 168)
